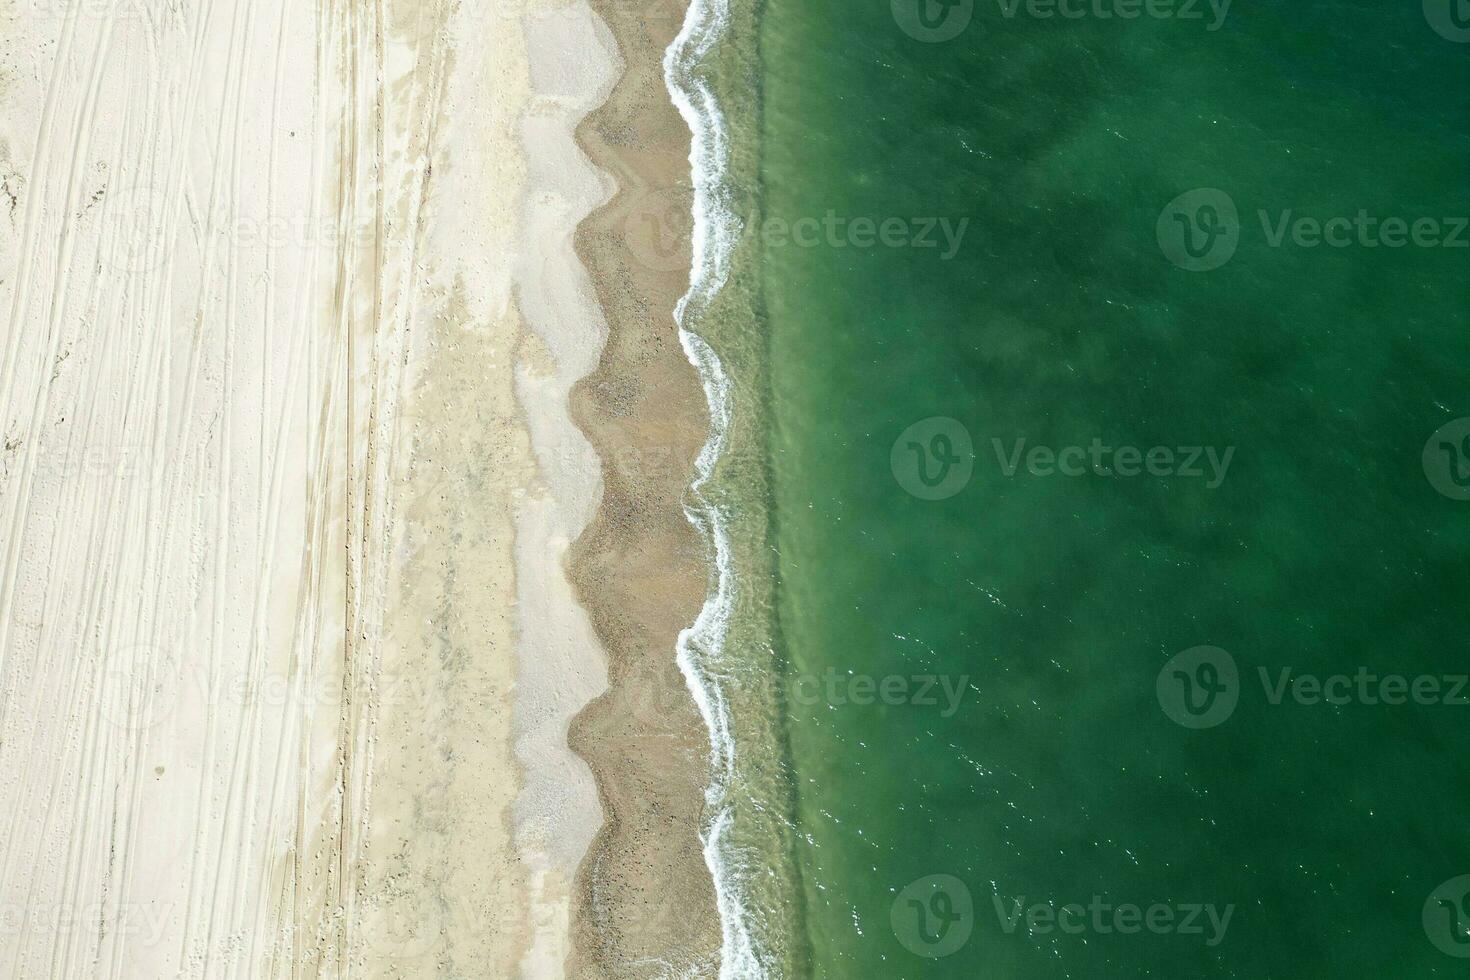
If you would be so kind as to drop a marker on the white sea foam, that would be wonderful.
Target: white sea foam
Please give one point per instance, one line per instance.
(701, 646)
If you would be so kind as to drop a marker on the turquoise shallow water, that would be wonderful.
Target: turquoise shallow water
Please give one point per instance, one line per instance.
(1037, 610)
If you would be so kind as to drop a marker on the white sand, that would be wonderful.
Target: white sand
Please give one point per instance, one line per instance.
(561, 666)
(286, 650)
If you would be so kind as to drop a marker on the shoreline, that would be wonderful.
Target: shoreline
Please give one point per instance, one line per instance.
(702, 646)
(645, 896)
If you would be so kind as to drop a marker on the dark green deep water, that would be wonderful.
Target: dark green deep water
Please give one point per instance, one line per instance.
(1056, 600)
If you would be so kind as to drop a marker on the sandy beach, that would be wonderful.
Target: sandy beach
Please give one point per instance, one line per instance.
(646, 904)
(340, 477)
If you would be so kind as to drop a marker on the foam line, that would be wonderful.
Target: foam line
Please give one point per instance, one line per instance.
(701, 646)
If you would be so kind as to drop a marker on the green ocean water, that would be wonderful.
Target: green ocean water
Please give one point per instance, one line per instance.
(1025, 749)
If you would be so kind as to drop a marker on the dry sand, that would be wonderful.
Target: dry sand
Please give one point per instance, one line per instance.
(573, 66)
(288, 481)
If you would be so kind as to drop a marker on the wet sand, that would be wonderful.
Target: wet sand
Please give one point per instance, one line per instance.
(645, 900)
